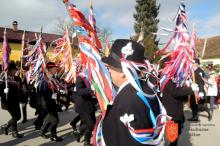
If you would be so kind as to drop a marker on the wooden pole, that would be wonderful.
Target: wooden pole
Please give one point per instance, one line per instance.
(204, 47)
(193, 79)
(21, 56)
(6, 74)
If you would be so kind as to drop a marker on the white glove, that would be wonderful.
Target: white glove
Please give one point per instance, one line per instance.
(195, 87)
(200, 74)
(187, 83)
(92, 88)
(54, 96)
(6, 90)
(201, 94)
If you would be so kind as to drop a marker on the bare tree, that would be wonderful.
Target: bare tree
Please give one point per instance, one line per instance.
(104, 34)
(61, 26)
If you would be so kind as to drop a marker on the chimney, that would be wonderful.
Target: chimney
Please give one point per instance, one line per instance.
(15, 25)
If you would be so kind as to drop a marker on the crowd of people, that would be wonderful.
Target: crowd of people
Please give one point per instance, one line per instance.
(129, 103)
(47, 103)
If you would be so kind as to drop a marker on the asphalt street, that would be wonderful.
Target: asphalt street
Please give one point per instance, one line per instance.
(204, 133)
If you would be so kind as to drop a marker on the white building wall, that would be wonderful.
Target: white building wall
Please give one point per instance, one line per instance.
(210, 61)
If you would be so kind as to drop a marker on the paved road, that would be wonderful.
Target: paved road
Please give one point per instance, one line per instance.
(204, 133)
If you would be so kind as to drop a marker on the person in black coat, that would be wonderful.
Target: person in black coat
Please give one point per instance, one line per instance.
(128, 109)
(13, 99)
(24, 100)
(201, 103)
(173, 99)
(50, 97)
(85, 106)
(71, 92)
(37, 102)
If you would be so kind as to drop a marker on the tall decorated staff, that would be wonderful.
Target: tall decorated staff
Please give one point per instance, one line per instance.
(141, 35)
(97, 73)
(107, 48)
(192, 43)
(62, 56)
(92, 20)
(36, 61)
(179, 52)
(147, 68)
(6, 50)
(23, 46)
(83, 24)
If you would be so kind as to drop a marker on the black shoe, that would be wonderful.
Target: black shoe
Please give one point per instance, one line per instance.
(36, 113)
(66, 107)
(42, 134)
(56, 138)
(77, 135)
(59, 108)
(194, 119)
(37, 127)
(5, 129)
(24, 121)
(15, 134)
(87, 144)
(73, 125)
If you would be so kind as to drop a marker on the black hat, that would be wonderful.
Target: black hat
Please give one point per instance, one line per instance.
(12, 66)
(124, 48)
(15, 23)
(33, 42)
(51, 65)
(197, 61)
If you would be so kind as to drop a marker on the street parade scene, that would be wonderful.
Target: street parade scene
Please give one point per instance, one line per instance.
(109, 73)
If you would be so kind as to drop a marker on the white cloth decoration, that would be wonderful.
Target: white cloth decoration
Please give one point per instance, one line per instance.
(6, 90)
(201, 94)
(195, 87)
(54, 96)
(127, 50)
(126, 119)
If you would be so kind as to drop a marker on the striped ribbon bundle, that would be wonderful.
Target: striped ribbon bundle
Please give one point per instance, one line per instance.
(181, 52)
(97, 73)
(63, 57)
(36, 61)
(6, 50)
(84, 26)
(92, 20)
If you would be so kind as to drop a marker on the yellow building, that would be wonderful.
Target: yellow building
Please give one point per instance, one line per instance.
(14, 37)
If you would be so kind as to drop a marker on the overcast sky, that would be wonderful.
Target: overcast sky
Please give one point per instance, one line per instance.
(114, 14)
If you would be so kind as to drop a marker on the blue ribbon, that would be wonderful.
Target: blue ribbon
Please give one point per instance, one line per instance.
(152, 116)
